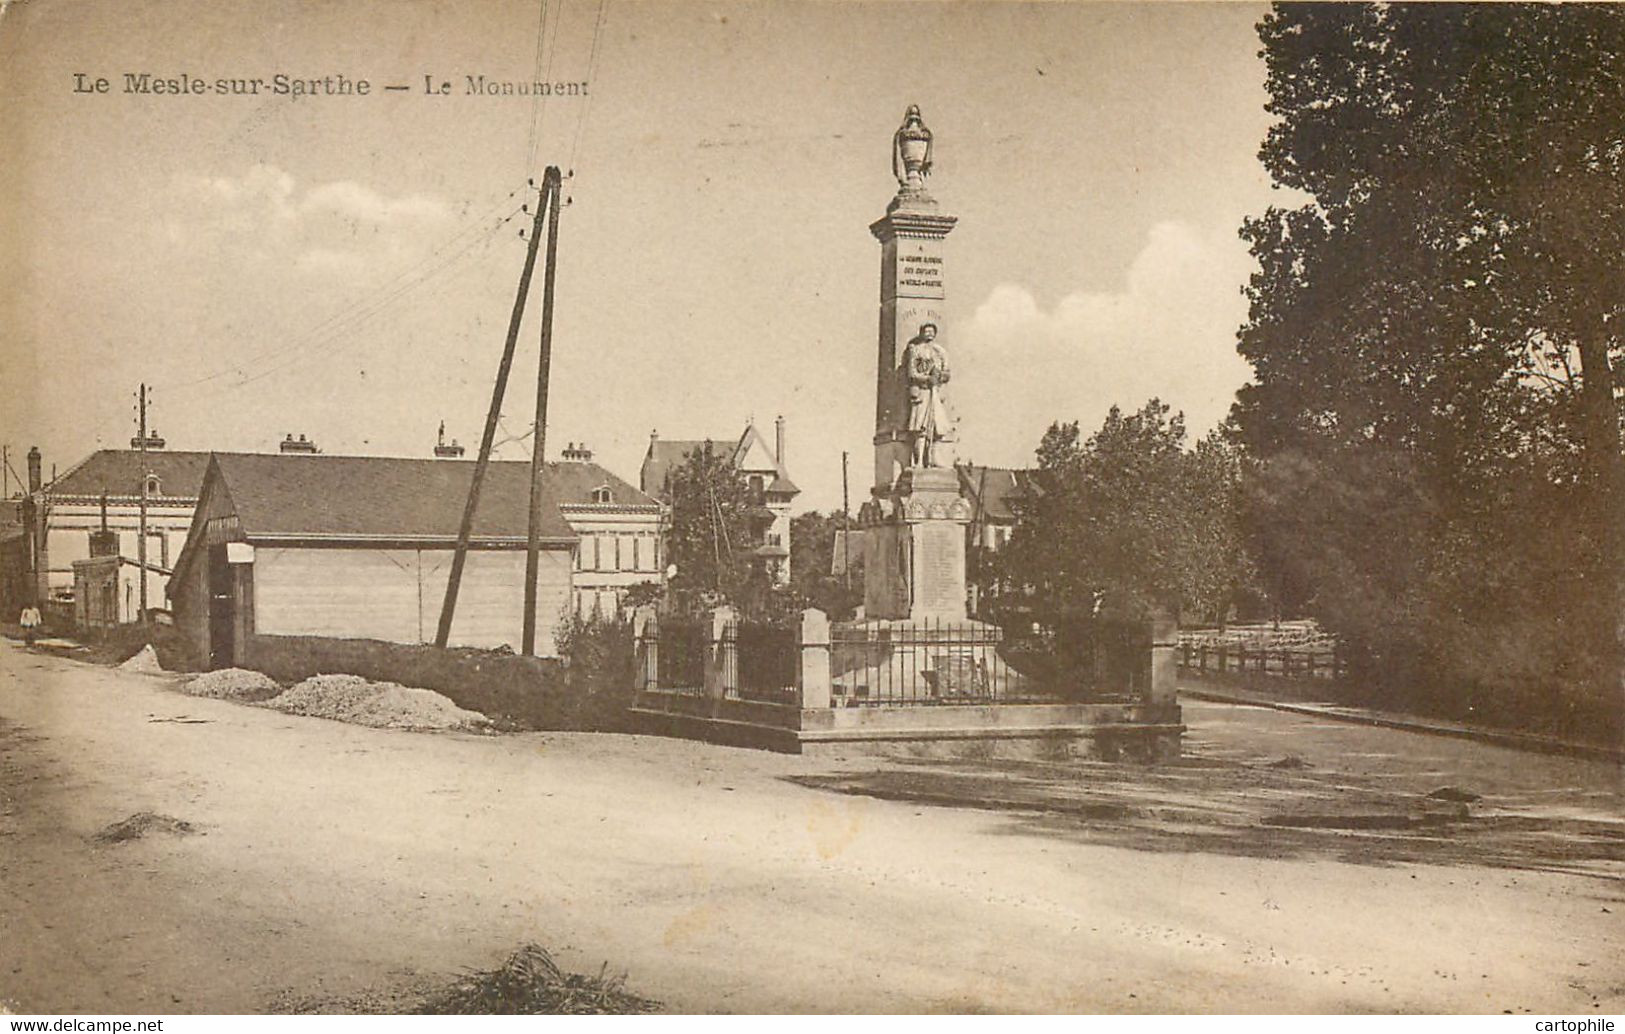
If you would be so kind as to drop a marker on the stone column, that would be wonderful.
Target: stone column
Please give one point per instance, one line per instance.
(813, 677)
(720, 667)
(912, 293)
(1164, 659)
(646, 641)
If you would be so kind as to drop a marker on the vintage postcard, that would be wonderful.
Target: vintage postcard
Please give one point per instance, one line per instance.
(615, 506)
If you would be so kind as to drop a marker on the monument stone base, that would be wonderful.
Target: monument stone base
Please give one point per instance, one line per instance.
(914, 548)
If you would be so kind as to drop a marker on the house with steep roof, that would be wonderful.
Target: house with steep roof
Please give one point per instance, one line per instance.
(763, 467)
(361, 547)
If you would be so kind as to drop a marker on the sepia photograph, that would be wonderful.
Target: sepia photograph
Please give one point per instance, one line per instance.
(795, 507)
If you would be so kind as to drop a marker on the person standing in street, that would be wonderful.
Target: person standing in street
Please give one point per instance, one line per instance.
(30, 621)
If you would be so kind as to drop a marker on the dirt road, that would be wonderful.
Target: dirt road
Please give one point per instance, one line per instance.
(331, 860)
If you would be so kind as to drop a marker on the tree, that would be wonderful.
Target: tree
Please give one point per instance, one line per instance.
(709, 533)
(812, 548)
(1436, 337)
(1128, 521)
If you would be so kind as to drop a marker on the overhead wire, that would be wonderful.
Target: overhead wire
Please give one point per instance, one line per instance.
(533, 138)
(349, 309)
(361, 317)
(586, 107)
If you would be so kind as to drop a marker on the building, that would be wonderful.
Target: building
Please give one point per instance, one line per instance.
(994, 494)
(103, 493)
(618, 532)
(361, 547)
(16, 556)
(763, 468)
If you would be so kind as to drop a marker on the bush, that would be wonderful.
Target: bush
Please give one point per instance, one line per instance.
(117, 645)
(600, 676)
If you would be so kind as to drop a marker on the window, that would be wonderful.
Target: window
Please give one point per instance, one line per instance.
(617, 553)
(602, 494)
(756, 487)
(153, 487)
(637, 554)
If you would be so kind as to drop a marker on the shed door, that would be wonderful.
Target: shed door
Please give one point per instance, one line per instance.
(222, 610)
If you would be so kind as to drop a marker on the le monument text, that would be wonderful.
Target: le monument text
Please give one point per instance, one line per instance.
(284, 84)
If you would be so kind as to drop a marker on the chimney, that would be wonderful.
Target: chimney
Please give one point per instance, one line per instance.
(303, 446)
(577, 452)
(778, 443)
(443, 450)
(154, 441)
(33, 470)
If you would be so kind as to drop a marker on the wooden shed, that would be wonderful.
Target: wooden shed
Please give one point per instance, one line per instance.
(361, 547)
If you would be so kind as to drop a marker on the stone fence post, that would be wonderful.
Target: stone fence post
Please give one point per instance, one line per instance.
(813, 671)
(1164, 658)
(721, 666)
(646, 643)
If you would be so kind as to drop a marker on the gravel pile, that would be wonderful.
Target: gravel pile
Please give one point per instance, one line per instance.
(145, 662)
(381, 705)
(232, 684)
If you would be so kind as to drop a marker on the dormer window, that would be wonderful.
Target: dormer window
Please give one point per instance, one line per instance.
(153, 487)
(601, 494)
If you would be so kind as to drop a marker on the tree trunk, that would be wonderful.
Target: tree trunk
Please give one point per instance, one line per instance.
(1605, 459)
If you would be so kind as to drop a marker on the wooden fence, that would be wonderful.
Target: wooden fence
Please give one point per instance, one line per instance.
(1282, 662)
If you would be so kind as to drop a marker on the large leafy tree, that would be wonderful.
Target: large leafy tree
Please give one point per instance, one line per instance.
(1127, 522)
(1436, 336)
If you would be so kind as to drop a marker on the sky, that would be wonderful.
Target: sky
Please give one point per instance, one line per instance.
(344, 266)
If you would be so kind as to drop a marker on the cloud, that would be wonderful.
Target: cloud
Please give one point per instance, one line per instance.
(341, 227)
(1169, 331)
(348, 199)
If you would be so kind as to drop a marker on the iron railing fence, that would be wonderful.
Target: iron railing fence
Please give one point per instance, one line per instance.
(760, 661)
(684, 647)
(1105, 665)
(927, 662)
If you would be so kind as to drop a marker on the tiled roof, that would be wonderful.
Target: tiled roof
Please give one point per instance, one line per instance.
(664, 455)
(118, 473)
(992, 490)
(379, 497)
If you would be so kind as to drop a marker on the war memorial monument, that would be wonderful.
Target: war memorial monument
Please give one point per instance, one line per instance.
(916, 670)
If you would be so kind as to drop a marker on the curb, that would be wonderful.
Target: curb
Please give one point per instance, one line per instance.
(1497, 737)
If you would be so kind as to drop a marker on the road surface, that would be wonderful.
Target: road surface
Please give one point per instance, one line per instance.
(333, 862)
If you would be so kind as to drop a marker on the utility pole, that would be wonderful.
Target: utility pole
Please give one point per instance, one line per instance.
(846, 525)
(449, 606)
(533, 539)
(141, 533)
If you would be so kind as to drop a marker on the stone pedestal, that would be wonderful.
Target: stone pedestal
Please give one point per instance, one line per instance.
(914, 549)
